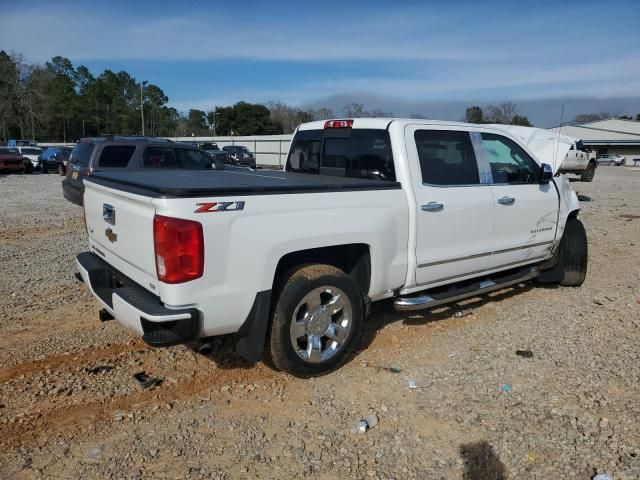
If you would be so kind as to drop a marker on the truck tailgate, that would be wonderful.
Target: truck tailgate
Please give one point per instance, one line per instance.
(120, 227)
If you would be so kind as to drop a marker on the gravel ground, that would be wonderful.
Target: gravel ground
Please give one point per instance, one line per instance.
(68, 407)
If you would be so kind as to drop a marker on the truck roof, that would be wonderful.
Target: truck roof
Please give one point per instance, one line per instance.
(383, 123)
(211, 183)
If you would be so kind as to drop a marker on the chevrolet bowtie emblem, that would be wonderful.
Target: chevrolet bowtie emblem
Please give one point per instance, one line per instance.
(111, 235)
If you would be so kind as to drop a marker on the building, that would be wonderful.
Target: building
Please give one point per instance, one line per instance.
(621, 137)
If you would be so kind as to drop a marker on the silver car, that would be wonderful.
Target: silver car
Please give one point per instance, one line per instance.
(610, 159)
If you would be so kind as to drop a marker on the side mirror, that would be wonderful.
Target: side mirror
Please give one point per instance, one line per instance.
(546, 173)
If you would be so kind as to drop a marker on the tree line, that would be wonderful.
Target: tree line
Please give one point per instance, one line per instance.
(60, 102)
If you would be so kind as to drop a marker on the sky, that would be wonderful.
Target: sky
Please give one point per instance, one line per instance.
(403, 53)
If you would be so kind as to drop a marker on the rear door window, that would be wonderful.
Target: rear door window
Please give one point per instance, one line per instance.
(116, 156)
(159, 157)
(81, 154)
(446, 158)
(356, 153)
(193, 159)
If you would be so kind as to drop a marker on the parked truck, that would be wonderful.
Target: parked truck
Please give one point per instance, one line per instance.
(580, 160)
(422, 212)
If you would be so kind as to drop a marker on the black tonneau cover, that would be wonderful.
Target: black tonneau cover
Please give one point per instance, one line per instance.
(211, 183)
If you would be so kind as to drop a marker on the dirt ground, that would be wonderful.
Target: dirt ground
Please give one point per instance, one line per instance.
(69, 407)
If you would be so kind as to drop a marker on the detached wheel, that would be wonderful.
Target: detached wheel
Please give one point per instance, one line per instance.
(316, 321)
(589, 172)
(573, 254)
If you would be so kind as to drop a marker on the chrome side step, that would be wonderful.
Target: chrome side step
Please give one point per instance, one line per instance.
(405, 304)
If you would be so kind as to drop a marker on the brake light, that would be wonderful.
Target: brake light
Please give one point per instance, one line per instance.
(179, 249)
(338, 124)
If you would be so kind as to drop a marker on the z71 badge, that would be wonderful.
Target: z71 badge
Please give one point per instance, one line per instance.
(219, 207)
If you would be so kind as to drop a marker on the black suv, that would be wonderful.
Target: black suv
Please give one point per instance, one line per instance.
(111, 153)
(240, 155)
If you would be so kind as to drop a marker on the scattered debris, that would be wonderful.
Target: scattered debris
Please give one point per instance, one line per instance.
(391, 369)
(524, 353)
(505, 388)
(93, 456)
(413, 384)
(145, 381)
(463, 313)
(119, 415)
(598, 302)
(584, 198)
(452, 354)
(531, 458)
(100, 368)
(630, 217)
(365, 424)
(602, 476)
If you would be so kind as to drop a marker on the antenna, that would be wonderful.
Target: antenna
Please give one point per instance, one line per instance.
(555, 156)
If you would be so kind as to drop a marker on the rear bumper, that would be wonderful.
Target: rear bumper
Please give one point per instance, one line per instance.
(136, 307)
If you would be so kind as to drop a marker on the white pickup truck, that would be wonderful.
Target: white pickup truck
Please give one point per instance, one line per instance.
(424, 212)
(580, 160)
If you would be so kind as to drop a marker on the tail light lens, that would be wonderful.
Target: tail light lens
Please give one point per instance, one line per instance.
(179, 248)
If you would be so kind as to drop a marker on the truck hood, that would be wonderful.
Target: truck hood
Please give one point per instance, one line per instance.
(548, 147)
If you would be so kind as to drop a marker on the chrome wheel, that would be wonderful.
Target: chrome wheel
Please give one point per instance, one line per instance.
(321, 324)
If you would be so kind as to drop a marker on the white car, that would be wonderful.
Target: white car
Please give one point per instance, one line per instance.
(33, 154)
(368, 209)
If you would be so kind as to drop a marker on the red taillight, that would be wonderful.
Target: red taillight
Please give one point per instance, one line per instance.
(338, 124)
(179, 248)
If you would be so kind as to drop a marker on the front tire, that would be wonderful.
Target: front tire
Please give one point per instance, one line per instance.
(612, 163)
(573, 254)
(28, 167)
(316, 321)
(588, 174)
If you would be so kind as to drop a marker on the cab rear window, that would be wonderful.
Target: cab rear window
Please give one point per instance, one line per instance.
(356, 153)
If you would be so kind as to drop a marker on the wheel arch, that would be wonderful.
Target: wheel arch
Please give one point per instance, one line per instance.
(354, 259)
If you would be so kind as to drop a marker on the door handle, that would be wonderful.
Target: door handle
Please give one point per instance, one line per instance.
(432, 207)
(506, 201)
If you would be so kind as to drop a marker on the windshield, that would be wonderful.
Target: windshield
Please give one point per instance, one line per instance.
(358, 153)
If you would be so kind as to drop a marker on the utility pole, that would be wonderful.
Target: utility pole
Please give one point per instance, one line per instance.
(142, 84)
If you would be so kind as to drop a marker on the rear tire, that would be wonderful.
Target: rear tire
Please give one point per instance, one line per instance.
(307, 337)
(612, 163)
(588, 174)
(28, 167)
(573, 254)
